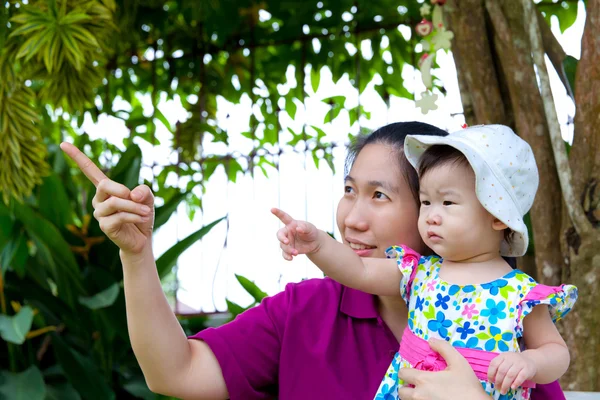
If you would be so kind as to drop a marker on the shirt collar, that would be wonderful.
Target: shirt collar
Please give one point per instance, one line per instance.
(357, 304)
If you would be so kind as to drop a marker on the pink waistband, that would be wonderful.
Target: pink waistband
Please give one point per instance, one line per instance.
(417, 352)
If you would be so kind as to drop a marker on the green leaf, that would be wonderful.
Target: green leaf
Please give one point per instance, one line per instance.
(332, 114)
(234, 309)
(59, 254)
(81, 372)
(139, 389)
(61, 391)
(232, 167)
(127, 170)
(291, 107)
(27, 385)
(315, 78)
(483, 336)
(251, 288)
(570, 68)
(164, 212)
(161, 117)
(103, 299)
(167, 261)
(15, 254)
(54, 202)
(14, 329)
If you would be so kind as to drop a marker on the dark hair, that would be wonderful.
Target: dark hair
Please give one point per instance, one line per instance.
(438, 155)
(393, 135)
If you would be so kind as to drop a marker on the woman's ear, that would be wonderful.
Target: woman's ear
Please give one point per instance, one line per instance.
(498, 225)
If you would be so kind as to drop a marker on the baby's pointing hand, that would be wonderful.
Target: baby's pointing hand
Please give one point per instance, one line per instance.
(296, 237)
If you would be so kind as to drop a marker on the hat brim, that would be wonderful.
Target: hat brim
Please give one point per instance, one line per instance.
(490, 187)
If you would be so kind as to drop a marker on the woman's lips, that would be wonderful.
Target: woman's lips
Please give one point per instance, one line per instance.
(361, 249)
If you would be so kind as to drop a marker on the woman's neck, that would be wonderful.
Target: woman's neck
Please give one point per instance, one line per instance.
(394, 313)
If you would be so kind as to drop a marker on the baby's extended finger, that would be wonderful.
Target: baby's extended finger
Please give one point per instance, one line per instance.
(282, 215)
(500, 374)
(287, 256)
(116, 204)
(94, 174)
(108, 188)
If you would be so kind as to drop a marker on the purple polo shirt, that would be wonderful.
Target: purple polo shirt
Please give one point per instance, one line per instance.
(315, 340)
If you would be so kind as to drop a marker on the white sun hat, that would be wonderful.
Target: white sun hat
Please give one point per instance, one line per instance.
(506, 175)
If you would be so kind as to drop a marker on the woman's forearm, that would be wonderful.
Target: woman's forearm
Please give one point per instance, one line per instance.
(158, 341)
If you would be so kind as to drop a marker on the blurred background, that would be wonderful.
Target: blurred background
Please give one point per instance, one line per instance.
(228, 108)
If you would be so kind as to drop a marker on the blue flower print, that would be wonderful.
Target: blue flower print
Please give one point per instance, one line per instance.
(498, 339)
(494, 311)
(465, 330)
(441, 301)
(494, 286)
(387, 392)
(440, 324)
(420, 302)
(471, 343)
(411, 319)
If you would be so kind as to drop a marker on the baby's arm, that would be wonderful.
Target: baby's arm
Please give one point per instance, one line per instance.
(372, 275)
(545, 360)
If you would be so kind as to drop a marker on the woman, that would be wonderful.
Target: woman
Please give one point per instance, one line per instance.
(317, 339)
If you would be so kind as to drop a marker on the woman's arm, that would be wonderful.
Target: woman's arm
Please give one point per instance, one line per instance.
(338, 261)
(171, 363)
(457, 381)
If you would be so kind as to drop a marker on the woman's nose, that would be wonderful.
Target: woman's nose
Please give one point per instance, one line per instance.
(355, 219)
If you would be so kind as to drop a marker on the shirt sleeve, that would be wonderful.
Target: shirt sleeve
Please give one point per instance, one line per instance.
(248, 348)
(550, 391)
(407, 260)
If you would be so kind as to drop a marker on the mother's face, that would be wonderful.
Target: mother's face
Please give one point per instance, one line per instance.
(378, 209)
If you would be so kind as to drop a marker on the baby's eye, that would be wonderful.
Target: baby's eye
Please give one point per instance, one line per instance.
(448, 203)
(379, 195)
(425, 202)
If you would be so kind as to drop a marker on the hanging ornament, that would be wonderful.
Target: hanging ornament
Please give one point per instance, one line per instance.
(435, 37)
(427, 102)
(424, 27)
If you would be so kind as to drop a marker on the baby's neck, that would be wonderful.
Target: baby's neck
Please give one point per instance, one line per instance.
(473, 272)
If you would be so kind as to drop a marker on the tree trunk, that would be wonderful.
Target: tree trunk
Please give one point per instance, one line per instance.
(493, 57)
(582, 251)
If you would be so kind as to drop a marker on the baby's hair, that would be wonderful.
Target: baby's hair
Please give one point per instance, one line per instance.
(438, 155)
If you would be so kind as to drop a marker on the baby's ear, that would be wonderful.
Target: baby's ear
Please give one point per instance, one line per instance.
(498, 225)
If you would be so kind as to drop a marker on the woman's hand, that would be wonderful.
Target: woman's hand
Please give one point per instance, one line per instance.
(125, 216)
(296, 237)
(457, 381)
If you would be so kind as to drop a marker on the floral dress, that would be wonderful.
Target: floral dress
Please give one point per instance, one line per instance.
(486, 316)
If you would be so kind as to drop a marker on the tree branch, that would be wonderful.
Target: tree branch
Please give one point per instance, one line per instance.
(555, 52)
(575, 210)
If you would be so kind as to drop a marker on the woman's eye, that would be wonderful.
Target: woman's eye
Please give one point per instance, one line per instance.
(379, 195)
(448, 203)
(348, 189)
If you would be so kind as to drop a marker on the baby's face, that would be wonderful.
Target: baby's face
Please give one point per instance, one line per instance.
(452, 221)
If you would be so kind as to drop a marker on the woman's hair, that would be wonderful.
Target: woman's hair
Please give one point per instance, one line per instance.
(393, 135)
